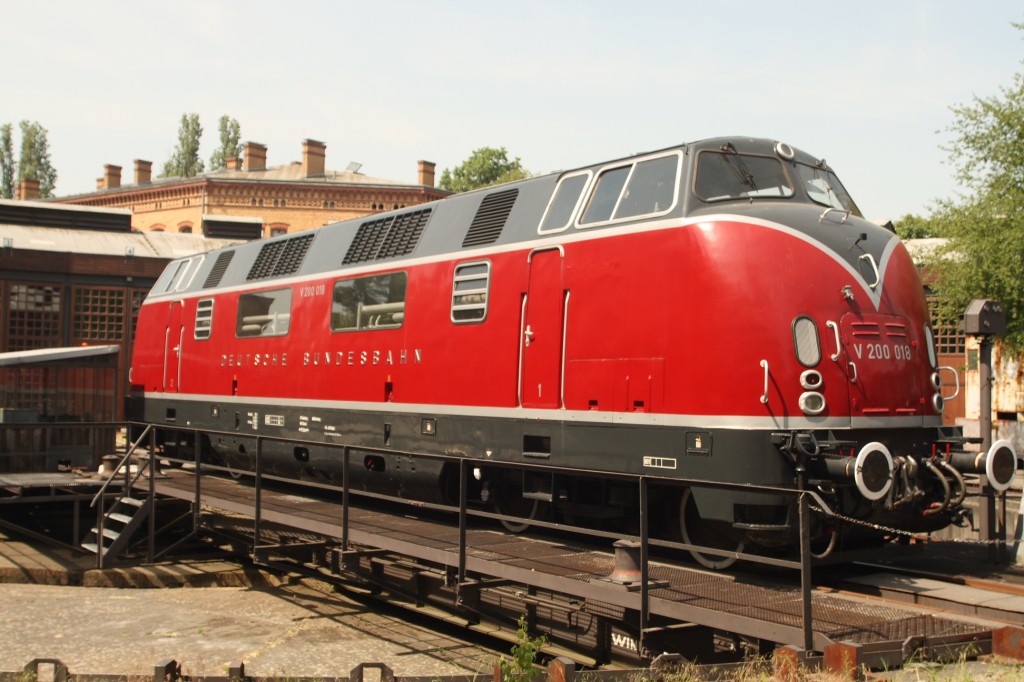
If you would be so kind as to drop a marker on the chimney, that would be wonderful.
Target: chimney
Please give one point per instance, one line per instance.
(425, 173)
(28, 190)
(143, 172)
(313, 155)
(233, 163)
(111, 176)
(255, 157)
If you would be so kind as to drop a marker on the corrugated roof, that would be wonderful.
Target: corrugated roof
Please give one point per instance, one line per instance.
(143, 244)
(43, 355)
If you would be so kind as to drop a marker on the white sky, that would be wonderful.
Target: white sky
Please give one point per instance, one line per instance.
(867, 85)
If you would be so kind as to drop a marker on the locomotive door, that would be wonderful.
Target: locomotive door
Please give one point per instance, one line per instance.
(542, 333)
(173, 338)
(879, 353)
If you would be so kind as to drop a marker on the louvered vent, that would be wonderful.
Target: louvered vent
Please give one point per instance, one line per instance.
(404, 234)
(219, 268)
(280, 258)
(387, 237)
(490, 218)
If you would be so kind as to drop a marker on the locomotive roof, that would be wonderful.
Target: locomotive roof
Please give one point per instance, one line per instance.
(492, 218)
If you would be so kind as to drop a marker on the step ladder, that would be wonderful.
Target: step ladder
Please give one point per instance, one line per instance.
(116, 524)
(112, 535)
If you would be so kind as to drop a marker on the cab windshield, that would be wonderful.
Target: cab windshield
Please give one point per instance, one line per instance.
(823, 187)
(724, 175)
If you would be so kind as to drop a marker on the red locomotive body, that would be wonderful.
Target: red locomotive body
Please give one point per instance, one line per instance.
(715, 311)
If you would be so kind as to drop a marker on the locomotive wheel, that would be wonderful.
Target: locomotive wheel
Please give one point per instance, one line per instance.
(696, 531)
(519, 507)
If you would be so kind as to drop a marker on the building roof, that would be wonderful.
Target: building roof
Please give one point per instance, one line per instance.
(291, 174)
(41, 356)
(168, 245)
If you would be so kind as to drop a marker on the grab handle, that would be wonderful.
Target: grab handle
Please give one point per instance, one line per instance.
(764, 396)
(874, 266)
(956, 377)
(835, 330)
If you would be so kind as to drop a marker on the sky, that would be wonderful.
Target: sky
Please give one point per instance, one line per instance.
(866, 85)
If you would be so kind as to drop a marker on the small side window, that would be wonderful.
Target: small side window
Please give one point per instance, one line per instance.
(806, 342)
(564, 202)
(646, 187)
(204, 319)
(469, 292)
(265, 313)
(373, 302)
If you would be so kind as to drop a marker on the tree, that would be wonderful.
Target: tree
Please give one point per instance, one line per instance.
(185, 161)
(6, 163)
(485, 167)
(34, 163)
(915, 227)
(230, 143)
(985, 225)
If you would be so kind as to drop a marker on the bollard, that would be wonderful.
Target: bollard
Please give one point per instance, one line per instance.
(561, 669)
(60, 671)
(236, 671)
(386, 674)
(627, 562)
(167, 671)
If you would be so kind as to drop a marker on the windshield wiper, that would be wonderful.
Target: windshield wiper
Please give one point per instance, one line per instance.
(738, 168)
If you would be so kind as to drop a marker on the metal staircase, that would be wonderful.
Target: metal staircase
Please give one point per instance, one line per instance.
(117, 521)
(116, 526)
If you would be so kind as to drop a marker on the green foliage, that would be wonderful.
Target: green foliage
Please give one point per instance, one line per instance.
(230, 143)
(520, 667)
(486, 166)
(915, 227)
(985, 226)
(6, 163)
(185, 161)
(34, 163)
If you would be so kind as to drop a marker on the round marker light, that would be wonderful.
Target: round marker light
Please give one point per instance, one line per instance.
(1000, 465)
(812, 403)
(872, 471)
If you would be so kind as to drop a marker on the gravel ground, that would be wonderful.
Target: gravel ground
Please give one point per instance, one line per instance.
(291, 630)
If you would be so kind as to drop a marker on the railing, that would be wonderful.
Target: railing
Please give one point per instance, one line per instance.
(804, 498)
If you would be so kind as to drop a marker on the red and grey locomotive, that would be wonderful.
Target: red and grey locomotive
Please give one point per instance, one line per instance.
(717, 310)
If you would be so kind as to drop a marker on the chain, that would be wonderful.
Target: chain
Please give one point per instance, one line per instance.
(904, 533)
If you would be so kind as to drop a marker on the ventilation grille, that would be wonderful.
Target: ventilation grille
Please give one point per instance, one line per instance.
(490, 218)
(219, 268)
(387, 237)
(280, 258)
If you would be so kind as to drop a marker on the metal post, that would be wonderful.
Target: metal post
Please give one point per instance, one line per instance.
(805, 555)
(151, 542)
(988, 521)
(344, 498)
(463, 470)
(198, 459)
(259, 486)
(644, 591)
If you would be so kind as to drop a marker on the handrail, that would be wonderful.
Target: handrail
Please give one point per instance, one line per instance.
(122, 463)
(846, 214)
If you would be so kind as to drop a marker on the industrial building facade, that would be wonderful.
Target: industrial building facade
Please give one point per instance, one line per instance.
(262, 201)
(73, 276)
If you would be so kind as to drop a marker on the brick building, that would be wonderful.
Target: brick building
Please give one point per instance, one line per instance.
(75, 276)
(268, 201)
